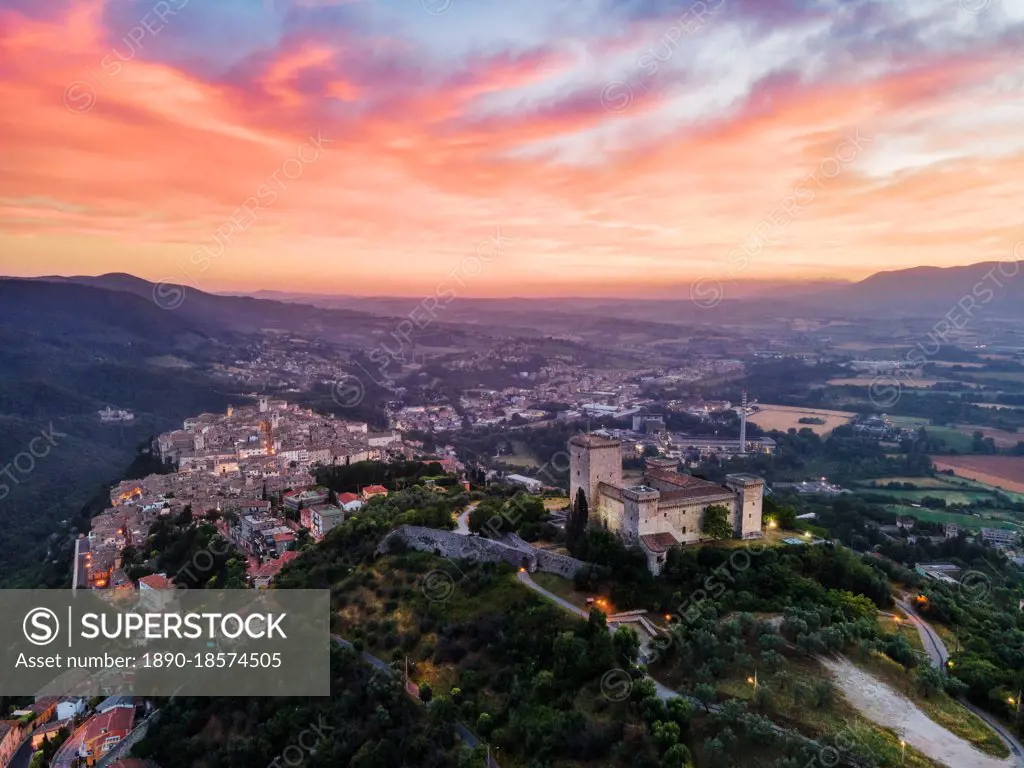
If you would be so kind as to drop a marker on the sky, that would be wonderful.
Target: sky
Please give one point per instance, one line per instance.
(508, 147)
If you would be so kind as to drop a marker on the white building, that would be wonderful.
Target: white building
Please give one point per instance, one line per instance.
(999, 537)
(533, 486)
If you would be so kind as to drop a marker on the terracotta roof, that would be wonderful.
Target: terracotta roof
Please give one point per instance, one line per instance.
(696, 493)
(688, 486)
(157, 581)
(272, 567)
(659, 542)
(116, 722)
(347, 498)
(677, 478)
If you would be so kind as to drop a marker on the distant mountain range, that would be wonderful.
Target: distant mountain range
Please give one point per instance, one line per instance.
(217, 313)
(919, 292)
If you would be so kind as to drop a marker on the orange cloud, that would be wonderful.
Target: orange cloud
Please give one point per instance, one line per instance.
(139, 170)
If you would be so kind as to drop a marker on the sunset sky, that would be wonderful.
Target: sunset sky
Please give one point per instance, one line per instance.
(612, 145)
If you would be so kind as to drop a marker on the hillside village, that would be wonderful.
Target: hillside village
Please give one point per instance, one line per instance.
(254, 467)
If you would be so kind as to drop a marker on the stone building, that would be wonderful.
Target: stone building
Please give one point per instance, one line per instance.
(667, 509)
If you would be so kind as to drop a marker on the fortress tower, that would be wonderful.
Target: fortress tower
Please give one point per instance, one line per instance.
(749, 497)
(594, 459)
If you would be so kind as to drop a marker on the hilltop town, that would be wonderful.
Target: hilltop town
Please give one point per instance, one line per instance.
(252, 468)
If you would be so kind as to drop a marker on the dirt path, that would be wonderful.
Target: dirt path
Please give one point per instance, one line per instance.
(890, 709)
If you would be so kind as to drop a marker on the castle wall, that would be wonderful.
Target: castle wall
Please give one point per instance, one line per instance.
(638, 507)
(515, 551)
(456, 546)
(685, 518)
(610, 513)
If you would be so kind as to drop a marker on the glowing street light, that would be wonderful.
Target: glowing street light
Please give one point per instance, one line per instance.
(903, 750)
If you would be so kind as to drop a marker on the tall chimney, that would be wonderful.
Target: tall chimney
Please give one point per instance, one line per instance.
(743, 422)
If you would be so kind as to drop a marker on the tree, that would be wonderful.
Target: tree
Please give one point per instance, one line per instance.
(677, 756)
(705, 694)
(680, 710)
(772, 661)
(666, 734)
(716, 522)
(426, 693)
(576, 525)
(929, 680)
(627, 644)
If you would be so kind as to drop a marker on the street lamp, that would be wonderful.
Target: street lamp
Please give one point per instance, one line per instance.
(903, 750)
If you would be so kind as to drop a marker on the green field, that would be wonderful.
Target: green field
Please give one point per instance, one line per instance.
(950, 496)
(969, 484)
(955, 439)
(939, 516)
(920, 482)
(1014, 376)
(939, 486)
(521, 458)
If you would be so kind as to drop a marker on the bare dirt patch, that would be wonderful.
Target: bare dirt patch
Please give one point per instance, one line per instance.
(1006, 472)
(879, 702)
(1001, 437)
(782, 417)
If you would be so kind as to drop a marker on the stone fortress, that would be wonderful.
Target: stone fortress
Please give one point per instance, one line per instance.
(667, 509)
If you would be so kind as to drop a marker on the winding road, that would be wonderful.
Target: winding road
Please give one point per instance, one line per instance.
(939, 655)
(936, 649)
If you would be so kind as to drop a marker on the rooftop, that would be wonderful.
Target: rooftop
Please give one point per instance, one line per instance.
(156, 581)
(594, 441)
(659, 542)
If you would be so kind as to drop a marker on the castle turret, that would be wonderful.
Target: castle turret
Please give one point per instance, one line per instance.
(749, 491)
(594, 459)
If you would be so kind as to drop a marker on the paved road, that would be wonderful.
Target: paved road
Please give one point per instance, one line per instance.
(526, 579)
(663, 691)
(23, 756)
(933, 644)
(463, 520)
(939, 655)
(68, 752)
